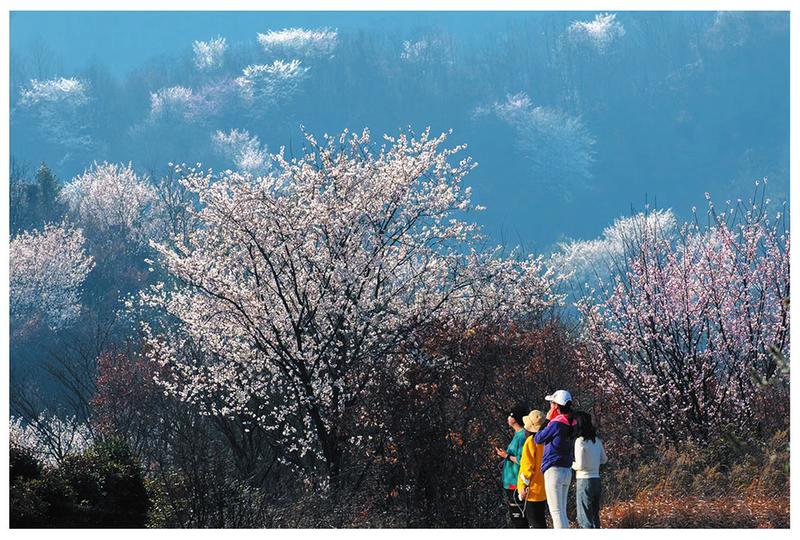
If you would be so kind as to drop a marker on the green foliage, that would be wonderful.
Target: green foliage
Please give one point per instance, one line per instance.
(103, 487)
(109, 486)
(23, 465)
(45, 502)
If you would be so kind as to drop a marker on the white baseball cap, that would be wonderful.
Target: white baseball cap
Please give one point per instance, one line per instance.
(559, 396)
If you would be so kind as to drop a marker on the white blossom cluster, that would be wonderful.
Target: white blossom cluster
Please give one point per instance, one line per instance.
(61, 90)
(243, 149)
(265, 85)
(50, 439)
(558, 146)
(301, 283)
(46, 271)
(113, 198)
(505, 288)
(175, 100)
(209, 54)
(57, 105)
(589, 262)
(299, 42)
(22, 435)
(600, 32)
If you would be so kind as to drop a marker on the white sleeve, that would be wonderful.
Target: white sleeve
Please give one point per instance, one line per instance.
(603, 456)
(578, 464)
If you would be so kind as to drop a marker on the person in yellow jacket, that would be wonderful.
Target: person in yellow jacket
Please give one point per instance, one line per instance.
(530, 481)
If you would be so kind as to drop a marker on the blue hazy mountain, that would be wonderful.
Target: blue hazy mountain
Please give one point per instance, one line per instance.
(574, 118)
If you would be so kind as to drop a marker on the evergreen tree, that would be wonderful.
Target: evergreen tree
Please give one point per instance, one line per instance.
(48, 188)
(33, 202)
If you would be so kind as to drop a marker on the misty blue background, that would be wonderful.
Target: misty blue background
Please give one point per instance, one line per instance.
(680, 105)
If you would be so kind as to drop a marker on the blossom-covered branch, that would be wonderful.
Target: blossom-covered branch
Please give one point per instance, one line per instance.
(302, 283)
(685, 331)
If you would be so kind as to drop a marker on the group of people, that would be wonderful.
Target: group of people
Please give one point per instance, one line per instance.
(539, 460)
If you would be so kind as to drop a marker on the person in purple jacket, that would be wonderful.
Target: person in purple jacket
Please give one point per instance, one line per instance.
(558, 438)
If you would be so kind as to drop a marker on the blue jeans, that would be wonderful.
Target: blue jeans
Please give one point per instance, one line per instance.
(588, 498)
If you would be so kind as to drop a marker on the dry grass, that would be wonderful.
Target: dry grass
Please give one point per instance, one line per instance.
(722, 485)
(663, 511)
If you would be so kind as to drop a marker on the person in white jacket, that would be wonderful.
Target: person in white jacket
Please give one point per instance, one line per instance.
(589, 455)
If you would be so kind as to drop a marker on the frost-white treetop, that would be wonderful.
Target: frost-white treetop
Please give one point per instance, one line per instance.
(600, 32)
(243, 149)
(46, 271)
(58, 108)
(591, 261)
(558, 145)
(299, 41)
(113, 197)
(175, 99)
(428, 49)
(59, 90)
(266, 84)
(209, 54)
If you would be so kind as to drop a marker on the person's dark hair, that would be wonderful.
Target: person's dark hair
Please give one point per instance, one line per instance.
(566, 410)
(518, 411)
(584, 427)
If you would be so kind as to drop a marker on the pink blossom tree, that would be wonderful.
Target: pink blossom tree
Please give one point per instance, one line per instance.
(683, 333)
(301, 284)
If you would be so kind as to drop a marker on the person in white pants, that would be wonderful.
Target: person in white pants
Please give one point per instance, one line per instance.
(558, 439)
(556, 486)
